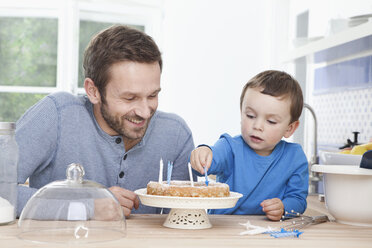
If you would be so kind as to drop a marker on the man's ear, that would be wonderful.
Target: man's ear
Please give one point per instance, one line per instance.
(291, 129)
(92, 91)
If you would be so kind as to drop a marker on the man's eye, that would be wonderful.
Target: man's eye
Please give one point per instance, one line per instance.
(129, 98)
(154, 95)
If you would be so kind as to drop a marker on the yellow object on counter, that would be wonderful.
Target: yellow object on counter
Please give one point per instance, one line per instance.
(345, 151)
(361, 149)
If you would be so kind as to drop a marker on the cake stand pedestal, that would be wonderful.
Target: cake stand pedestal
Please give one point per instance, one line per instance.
(187, 212)
(187, 219)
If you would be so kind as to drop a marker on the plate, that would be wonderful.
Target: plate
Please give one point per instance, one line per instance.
(356, 22)
(188, 202)
(301, 41)
(366, 16)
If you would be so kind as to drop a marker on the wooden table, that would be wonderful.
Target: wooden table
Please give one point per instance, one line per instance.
(147, 231)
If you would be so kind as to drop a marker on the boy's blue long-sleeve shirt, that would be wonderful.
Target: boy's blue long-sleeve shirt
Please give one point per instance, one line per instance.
(283, 174)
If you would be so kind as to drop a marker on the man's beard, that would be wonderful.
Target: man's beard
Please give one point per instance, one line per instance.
(117, 124)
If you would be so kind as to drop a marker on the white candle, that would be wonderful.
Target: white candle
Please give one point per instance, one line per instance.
(161, 171)
(190, 173)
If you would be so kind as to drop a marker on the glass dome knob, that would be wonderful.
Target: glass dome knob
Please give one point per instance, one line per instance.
(75, 172)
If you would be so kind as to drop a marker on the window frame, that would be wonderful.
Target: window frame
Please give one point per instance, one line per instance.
(68, 14)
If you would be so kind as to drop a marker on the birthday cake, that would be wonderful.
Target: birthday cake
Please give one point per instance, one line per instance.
(184, 189)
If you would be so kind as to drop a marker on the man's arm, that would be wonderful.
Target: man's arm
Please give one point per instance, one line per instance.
(37, 137)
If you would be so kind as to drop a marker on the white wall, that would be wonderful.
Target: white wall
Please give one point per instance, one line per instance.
(210, 50)
(322, 11)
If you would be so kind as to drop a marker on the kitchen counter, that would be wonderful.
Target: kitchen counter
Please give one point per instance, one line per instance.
(147, 231)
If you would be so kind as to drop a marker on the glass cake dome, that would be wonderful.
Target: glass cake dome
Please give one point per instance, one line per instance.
(72, 211)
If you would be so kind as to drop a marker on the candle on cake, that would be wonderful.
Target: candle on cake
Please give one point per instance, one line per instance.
(161, 171)
(169, 172)
(206, 175)
(190, 174)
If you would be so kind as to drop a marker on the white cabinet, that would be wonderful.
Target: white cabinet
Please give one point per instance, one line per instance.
(340, 38)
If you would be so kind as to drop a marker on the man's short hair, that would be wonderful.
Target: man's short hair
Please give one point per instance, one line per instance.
(117, 43)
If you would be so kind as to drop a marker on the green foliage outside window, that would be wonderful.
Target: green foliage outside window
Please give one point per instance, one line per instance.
(28, 57)
(28, 51)
(13, 105)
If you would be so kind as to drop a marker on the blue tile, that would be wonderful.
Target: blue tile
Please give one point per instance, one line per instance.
(343, 50)
(351, 74)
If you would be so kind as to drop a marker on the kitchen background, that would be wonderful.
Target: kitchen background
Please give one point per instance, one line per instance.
(211, 48)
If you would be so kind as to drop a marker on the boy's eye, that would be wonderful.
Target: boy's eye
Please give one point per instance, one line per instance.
(250, 116)
(271, 122)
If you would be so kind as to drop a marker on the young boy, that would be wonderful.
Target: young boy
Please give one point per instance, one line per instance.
(271, 173)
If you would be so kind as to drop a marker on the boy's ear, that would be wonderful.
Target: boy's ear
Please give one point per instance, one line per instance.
(291, 129)
(92, 91)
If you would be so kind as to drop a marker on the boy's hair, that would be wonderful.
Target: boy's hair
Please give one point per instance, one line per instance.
(116, 44)
(278, 84)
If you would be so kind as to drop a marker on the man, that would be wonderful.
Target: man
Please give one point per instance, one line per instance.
(115, 131)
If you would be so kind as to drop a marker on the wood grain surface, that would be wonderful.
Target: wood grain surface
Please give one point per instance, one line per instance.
(148, 231)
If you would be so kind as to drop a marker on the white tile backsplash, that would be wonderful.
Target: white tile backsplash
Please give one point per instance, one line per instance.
(341, 113)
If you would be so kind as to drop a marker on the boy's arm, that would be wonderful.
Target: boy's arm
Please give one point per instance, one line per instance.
(297, 186)
(222, 157)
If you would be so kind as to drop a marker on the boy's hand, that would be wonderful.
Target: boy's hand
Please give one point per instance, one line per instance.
(201, 157)
(273, 208)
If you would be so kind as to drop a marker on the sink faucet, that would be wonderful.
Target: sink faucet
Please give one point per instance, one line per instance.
(314, 177)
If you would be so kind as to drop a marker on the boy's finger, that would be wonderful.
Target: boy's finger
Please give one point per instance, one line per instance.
(271, 207)
(199, 163)
(209, 160)
(266, 203)
(194, 160)
(273, 217)
(269, 202)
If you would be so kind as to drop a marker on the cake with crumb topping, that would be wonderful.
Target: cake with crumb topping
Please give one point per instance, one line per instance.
(184, 189)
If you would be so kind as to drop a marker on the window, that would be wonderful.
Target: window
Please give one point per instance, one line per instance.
(87, 30)
(28, 51)
(42, 45)
(28, 55)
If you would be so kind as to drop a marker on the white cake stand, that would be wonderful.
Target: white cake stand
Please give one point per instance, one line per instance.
(188, 212)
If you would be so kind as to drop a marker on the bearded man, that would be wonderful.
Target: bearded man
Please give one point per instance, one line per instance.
(115, 131)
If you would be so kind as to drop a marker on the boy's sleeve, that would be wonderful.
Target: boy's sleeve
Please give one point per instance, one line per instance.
(297, 186)
(222, 157)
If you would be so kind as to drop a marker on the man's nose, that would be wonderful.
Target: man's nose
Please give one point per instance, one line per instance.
(143, 109)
